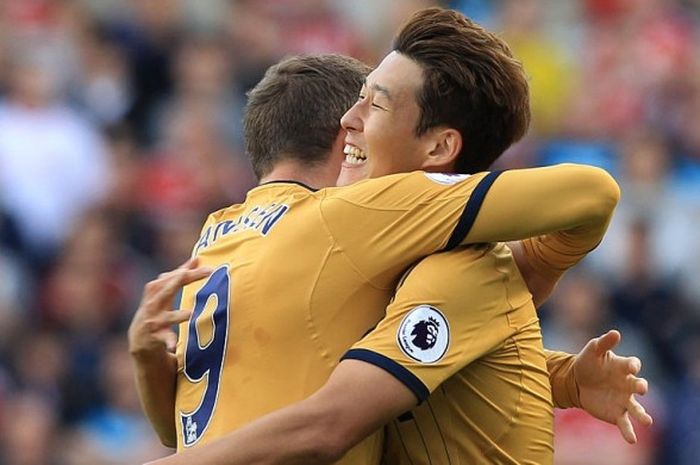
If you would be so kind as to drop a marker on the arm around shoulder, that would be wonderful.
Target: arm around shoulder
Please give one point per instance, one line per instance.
(529, 202)
(603, 189)
(357, 400)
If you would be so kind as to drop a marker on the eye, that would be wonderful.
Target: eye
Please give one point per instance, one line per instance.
(361, 98)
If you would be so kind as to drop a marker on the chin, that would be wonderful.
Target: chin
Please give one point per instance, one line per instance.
(351, 175)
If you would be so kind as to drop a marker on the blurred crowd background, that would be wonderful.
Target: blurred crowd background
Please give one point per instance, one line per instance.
(120, 129)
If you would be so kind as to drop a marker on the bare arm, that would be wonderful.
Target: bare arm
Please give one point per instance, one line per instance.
(360, 397)
(151, 341)
(155, 384)
(357, 399)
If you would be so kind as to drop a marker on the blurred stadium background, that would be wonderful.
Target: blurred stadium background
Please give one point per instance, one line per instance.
(120, 130)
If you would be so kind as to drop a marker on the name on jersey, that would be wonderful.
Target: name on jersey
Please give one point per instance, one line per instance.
(260, 219)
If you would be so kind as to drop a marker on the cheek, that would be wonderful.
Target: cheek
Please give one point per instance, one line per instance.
(386, 162)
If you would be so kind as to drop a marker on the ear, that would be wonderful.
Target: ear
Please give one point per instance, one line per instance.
(445, 146)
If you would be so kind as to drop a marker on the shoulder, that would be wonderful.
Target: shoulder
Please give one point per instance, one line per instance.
(459, 260)
(445, 272)
(368, 185)
(403, 187)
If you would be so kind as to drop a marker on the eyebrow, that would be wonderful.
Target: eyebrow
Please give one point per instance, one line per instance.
(380, 89)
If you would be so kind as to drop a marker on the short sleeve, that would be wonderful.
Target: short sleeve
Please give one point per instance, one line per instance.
(449, 311)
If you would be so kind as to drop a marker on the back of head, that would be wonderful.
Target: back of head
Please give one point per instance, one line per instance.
(294, 111)
(471, 83)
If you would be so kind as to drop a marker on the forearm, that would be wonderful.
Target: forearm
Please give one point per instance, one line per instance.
(533, 202)
(540, 285)
(291, 436)
(550, 255)
(155, 382)
(543, 260)
(560, 365)
(357, 400)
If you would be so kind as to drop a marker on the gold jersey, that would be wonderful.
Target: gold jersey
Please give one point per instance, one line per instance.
(462, 333)
(300, 275)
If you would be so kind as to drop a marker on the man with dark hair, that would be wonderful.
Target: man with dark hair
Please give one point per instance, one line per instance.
(474, 84)
(456, 85)
(330, 80)
(344, 254)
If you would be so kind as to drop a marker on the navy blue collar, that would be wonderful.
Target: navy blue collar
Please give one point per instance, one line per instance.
(289, 181)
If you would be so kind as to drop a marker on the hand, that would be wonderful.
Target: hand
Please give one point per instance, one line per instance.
(608, 384)
(150, 332)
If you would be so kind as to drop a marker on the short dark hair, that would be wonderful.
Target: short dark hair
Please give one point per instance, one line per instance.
(295, 110)
(472, 83)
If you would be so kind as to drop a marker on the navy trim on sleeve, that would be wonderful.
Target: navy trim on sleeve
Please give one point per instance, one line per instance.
(411, 381)
(471, 209)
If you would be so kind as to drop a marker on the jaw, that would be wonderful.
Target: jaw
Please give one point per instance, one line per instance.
(351, 173)
(355, 166)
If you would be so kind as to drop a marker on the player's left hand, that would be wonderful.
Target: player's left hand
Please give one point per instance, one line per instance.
(150, 332)
(608, 385)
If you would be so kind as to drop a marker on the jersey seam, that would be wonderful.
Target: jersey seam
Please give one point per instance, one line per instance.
(341, 249)
(425, 445)
(437, 426)
(509, 427)
(396, 209)
(489, 451)
(404, 448)
(313, 330)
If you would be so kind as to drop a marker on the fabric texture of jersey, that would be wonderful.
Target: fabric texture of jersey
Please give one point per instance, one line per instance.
(300, 276)
(485, 395)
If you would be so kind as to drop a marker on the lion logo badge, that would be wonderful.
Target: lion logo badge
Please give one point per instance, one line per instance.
(424, 334)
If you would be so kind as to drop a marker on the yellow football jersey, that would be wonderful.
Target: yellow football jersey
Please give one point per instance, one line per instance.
(462, 333)
(300, 275)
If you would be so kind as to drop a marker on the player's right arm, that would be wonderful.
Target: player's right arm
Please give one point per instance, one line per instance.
(530, 202)
(151, 345)
(357, 399)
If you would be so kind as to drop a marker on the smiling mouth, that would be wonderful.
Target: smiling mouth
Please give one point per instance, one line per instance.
(354, 155)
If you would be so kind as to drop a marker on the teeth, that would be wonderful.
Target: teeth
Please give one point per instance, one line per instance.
(355, 161)
(354, 155)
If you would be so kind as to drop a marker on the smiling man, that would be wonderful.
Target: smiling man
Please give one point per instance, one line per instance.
(344, 255)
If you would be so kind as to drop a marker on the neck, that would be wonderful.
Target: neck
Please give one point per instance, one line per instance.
(445, 168)
(318, 177)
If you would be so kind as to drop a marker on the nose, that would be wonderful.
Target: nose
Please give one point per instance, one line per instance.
(351, 120)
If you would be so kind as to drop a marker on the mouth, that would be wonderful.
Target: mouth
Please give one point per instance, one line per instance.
(354, 155)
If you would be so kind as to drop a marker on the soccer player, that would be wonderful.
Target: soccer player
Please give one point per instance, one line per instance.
(335, 231)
